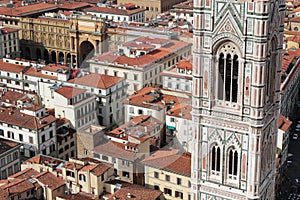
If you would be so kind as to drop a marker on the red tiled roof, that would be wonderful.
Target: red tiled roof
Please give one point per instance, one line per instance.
(142, 61)
(26, 10)
(136, 192)
(54, 68)
(38, 73)
(69, 92)
(44, 160)
(287, 59)
(6, 30)
(49, 179)
(114, 10)
(12, 96)
(78, 196)
(294, 38)
(24, 174)
(6, 145)
(19, 186)
(184, 64)
(101, 81)
(283, 123)
(73, 5)
(94, 166)
(181, 111)
(100, 169)
(295, 19)
(185, 5)
(150, 97)
(14, 117)
(9, 67)
(116, 150)
(138, 127)
(170, 160)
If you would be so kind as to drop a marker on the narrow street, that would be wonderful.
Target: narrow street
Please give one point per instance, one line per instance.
(290, 186)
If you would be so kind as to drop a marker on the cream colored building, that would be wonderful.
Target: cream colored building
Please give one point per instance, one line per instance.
(169, 171)
(86, 175)
(140, 61)
(153, 8)
(62, 40)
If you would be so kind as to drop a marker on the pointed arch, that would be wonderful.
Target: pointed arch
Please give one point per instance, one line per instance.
(232, 162)
(215, 159)
(229, 64)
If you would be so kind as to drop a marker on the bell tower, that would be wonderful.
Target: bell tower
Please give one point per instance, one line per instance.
(236, 80)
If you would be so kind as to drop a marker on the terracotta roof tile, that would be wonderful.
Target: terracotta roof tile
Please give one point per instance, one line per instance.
(78, 196)
(101, 81)
(138, 127)
(116, 150)
(12, 96)
(69, 92)
(6, 30)
(24, 174)
(170, 160)
(283, 123)
(73, 5)
(136, 192)
(142, 61)
(38, 73)
(9, 67)
(49, 179)
(154, 98)
(15, 117)
(6, 145)
(181, 111)
(101, 168)
(184, 64)
(28, 9)
(116, 11)
(44, 160)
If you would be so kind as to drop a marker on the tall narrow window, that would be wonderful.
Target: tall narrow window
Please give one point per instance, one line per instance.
(232, 164)
(228, 77)
(235, 78)
(228, 73)
(215, 159)
(221, 76)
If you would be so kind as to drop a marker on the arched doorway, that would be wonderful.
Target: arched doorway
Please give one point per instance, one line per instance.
(87, 51)
(46, 55)
(61, 57)
(38, 54)
(53, 56)
(68, 58)
(27, 53)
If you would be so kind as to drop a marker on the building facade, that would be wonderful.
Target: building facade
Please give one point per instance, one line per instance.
(62, 40)
(127, 13)
(140, 61)
(236, 80)
(10, 158)
(170, 172)
(9, 42)
(153, 8)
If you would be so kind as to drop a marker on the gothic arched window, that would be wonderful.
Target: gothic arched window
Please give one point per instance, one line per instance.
(232, 163)
(228, 73)
(215, 160)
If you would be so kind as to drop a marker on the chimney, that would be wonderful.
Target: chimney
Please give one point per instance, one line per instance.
(146, 129)
(128, 195)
